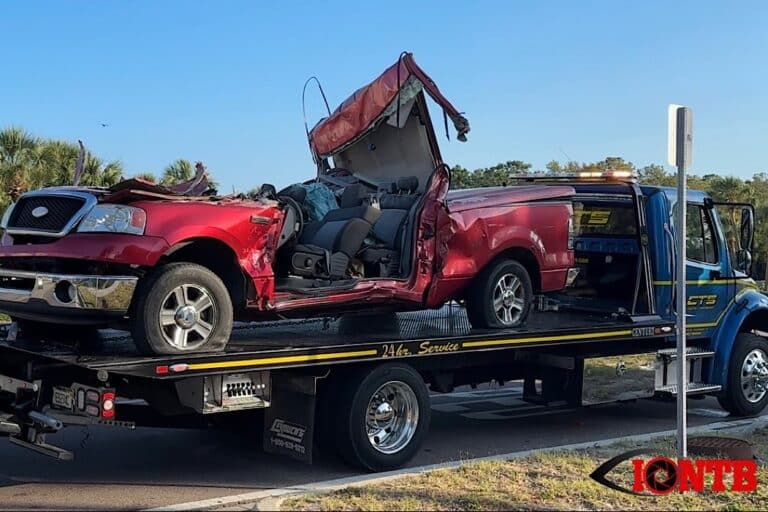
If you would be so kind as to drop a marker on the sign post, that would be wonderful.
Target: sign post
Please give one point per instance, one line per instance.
(679, 153)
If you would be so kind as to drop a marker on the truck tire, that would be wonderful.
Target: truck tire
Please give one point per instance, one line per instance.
(181, 308)
(745, 392)
(382, 417)
(500, 297)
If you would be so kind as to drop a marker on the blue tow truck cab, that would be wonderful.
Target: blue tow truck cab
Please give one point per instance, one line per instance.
(726, 311)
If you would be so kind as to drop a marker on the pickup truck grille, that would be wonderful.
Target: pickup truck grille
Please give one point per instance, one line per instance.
(46, 214)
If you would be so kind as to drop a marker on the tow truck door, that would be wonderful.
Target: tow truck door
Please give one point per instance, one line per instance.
(708, 291)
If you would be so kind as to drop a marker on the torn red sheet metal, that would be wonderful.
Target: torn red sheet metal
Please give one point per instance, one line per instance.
(359, 113)
(133, 187)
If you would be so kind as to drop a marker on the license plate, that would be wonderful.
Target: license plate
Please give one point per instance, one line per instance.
(63, 398)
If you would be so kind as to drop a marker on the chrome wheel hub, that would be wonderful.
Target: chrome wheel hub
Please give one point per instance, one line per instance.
(392, 417)
(508, 299)
(187, 317)
(754, 376)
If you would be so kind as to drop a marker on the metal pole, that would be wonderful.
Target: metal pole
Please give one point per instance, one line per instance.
(682, 363)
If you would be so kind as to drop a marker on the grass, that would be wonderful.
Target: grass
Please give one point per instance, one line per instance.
(548, 481)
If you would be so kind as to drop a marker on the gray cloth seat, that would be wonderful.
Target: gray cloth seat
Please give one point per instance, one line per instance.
(325, 248)
(384, 257)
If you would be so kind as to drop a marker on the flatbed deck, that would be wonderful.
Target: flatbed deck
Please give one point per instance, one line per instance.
(313, 342)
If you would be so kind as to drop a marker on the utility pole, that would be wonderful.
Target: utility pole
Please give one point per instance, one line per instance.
(679, 149)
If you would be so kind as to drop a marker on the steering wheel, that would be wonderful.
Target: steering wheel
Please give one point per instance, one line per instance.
(298, 213)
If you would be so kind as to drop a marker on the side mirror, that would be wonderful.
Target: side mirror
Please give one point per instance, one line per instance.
(747, 229)
(744, 260)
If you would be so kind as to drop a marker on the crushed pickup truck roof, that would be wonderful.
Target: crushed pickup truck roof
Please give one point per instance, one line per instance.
(139, 187)
(362, 110)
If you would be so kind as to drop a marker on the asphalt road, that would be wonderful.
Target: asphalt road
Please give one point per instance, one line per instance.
(120, 469)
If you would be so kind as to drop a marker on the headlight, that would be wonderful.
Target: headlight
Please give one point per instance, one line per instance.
(113, 218)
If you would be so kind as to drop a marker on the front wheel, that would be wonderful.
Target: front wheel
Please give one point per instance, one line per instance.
(501, 296)
(181, 308)
(746, 389)
(382, 417)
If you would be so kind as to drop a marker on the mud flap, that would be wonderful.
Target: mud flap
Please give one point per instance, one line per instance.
(289, 422)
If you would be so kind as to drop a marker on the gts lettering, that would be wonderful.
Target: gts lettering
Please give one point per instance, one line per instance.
(702, 301)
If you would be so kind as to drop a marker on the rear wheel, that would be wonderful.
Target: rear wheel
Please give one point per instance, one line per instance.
(746, 389)
(382, 418)
(181, 308)
(501, 296)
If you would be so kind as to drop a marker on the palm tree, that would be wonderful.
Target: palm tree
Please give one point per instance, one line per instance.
(97, 173)
(148, 176)
(60, 158)
(15, 144)
(178, 172)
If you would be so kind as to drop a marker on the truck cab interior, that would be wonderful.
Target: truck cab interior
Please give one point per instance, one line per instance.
(607, 253)
(376, 155)
(362, 232)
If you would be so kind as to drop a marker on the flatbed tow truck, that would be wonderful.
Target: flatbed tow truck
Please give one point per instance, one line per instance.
(361, 383)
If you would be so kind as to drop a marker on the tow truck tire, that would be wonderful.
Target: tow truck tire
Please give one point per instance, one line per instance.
(181, 308)
(500, 297)
(749, 357)
(391, 404)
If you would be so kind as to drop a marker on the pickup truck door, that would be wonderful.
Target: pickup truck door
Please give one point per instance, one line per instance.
(426, 235)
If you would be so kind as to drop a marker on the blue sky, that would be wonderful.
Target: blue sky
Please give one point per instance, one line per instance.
(221, 81)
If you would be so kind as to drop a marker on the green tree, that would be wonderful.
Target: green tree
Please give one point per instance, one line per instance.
(499, 174)
(495, 176)
(460, 177)
(178, 172)
(98, 173)
(148, 176)
(729, 189)
(656, 175)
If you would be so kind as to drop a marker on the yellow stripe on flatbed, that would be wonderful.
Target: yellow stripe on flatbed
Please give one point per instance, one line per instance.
(564, 337)
(282, 359)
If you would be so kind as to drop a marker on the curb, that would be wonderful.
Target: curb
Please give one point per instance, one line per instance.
(271, 499)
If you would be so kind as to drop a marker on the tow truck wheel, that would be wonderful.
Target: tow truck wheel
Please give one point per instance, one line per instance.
(501, 296)
(746, 390)
(181, 308)
(382, 418)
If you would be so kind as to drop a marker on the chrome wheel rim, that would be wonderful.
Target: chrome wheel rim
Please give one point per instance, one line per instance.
(508, 299)
(754, 376)
(187, 317)
(392, 417)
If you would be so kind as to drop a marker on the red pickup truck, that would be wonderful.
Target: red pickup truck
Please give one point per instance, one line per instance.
(376, 229)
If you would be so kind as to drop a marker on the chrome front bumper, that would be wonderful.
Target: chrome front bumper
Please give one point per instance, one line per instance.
(94, 293)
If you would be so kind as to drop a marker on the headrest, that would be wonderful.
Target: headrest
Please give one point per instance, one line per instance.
(406, 185)
(353, 195)
(295, 192)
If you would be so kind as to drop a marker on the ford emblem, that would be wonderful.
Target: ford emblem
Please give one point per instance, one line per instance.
(40, 211)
